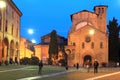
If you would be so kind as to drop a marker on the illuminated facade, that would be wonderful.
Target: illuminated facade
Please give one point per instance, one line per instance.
(41, 50)
(26, 48)
(88, 38)
(9, 32)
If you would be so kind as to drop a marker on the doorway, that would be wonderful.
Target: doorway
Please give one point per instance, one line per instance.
(86, 58)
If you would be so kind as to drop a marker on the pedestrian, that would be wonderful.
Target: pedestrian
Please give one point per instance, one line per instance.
(77, 66)
(66, 65)
(96, 64)
(88, 65)
(40, 67)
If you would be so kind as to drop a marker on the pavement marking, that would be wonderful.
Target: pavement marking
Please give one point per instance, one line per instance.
(43, 76)
(103, 76)
(15, 69)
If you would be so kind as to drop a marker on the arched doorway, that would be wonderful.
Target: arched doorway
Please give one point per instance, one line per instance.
(12, 50)
(5, 49)
(87, 57)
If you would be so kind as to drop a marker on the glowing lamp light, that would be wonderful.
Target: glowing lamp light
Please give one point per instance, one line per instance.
(2, 4)
(92, 31)
(30, 31)
(33, 41)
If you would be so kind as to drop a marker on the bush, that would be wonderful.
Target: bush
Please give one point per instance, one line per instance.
(11, 61)
(6, 62)
(25, 61)
(0, 63)
(50, 61)
(34, 60)
(62, 62)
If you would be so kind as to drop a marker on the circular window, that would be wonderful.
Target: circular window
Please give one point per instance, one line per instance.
(88, 39)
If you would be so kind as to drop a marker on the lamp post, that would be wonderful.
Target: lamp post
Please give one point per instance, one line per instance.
(2, 6)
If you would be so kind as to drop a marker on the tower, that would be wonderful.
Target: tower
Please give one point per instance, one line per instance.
(101, 16)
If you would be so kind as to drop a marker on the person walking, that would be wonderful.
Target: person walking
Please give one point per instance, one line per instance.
(40, 67)
(96, 64)
(77, 66)
(66, 65)
(88, 65)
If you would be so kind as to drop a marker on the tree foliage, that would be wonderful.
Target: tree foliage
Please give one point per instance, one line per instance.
(113, 29)
(53, 46)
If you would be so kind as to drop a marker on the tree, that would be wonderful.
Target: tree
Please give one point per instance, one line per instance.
(53, 47)
(113, 29)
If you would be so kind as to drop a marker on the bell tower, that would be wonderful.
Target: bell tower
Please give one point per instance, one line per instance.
(101, 16)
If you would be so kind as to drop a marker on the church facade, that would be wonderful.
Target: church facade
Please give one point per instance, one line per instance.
(88, 37)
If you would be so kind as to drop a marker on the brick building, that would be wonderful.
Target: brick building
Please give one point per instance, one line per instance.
(26, 48)
(88, 38)
(41, 50)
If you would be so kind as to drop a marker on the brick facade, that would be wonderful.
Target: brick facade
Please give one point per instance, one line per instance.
(88, 38)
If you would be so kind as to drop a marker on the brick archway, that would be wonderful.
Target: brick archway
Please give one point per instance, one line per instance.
(87, 57)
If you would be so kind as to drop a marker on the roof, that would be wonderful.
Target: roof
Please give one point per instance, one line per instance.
(91, 27)
(49, 35)
(14, 7)
(88, 11)
(100, 6)
(82, 11)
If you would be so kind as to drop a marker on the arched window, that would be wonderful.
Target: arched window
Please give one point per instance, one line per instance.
(102, 10)
(6, 26)
(99, 10)
(92, 45)
(73, 43)
(101, 45)
(83, 45)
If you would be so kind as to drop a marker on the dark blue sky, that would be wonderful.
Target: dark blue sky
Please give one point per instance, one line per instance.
(45, 15)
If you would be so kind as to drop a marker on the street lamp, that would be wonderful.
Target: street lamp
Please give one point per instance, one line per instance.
(2, 6)
(91, 31)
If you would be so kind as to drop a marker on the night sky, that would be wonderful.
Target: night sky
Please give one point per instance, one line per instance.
(45, 15)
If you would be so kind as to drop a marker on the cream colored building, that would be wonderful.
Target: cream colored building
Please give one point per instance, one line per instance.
(88, 38)
(9, 31)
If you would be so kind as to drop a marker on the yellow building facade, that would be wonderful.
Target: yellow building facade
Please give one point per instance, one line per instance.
(9, 32)
(25, 51)
(88, 37)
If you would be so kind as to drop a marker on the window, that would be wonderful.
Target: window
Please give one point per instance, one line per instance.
(17, 30)
(13, 14)
(12, 29)
(92, 45)
(101, 45)
(99, 10)
(6, 26)
(6, 8)
(87, 39)
(73, 44)
(83, 45)
(102, 10)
